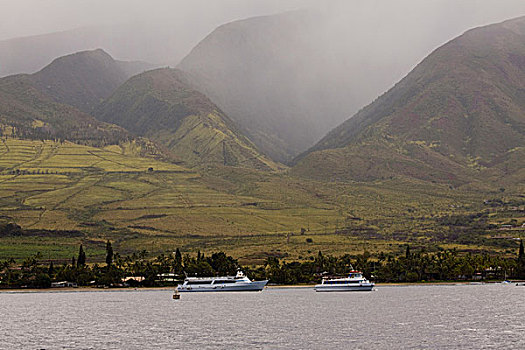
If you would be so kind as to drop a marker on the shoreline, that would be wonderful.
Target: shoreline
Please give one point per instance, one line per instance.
(82, 290)
(386, 284)
(284, 286)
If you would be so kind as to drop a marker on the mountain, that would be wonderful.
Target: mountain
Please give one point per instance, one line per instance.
(290, 78)
(246, 67)
(161, 34)
(161, 106)
(286, 79)
(458, 116)
(130, 41)
(44, 105)
(85, 78)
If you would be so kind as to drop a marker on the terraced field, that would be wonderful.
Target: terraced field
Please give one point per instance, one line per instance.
(142, 203)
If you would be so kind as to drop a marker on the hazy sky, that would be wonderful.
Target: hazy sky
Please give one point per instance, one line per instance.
(30, 17)
(164, 31)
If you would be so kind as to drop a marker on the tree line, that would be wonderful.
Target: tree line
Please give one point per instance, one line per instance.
(140, 269)
(445, 265)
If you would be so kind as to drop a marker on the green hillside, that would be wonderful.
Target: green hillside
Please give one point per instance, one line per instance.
(27, 112)
(437, 162)
(458, 117)
(160, 105)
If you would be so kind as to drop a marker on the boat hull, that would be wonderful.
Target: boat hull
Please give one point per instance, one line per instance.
(255, 286)
(344, 288)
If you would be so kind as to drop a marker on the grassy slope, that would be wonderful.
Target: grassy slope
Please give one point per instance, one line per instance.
(251, 214)
(160, 105)
(456, 117)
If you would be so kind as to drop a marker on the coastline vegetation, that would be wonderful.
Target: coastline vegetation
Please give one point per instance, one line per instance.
(142, 270)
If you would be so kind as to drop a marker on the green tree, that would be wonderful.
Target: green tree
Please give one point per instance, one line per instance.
(81, 260)
(42, 280)
(223, 264)
(521, 262)
(51, 269)
(178, 262)
(109, 253)
(199, 268)
(178, 257)
(319, 262)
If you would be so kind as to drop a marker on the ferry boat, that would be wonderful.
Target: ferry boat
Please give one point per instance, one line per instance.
(238, 283)
(353, 283)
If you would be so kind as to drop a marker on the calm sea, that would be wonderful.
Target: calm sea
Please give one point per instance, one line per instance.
(414, 317)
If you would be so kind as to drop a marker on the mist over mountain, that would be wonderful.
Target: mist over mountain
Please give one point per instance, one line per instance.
(160, 105)
(290, 78)
(33, 33)
(460, 114)
(246, 67)
(85, 78)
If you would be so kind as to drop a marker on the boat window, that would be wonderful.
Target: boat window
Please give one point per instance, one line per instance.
(198, 282)
(338, 282)
(224, 281)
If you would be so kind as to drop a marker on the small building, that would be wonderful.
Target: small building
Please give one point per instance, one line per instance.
(478, 276)
(63, 284)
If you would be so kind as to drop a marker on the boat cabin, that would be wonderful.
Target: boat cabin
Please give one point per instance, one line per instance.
(355, 274)
(353, 277)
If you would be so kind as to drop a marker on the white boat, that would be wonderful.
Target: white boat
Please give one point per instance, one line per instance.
(353, 283)
(238, 283)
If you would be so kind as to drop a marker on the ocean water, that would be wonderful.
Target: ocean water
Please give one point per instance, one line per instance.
(393, 317)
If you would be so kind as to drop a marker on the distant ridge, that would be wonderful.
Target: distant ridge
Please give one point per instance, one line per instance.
(85, 78)
(273, 77)
(457, 117)
(30, 54)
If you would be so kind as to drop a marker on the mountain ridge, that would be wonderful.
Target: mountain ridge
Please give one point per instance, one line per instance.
(161, 105)
(464, 103)
(85, 78)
